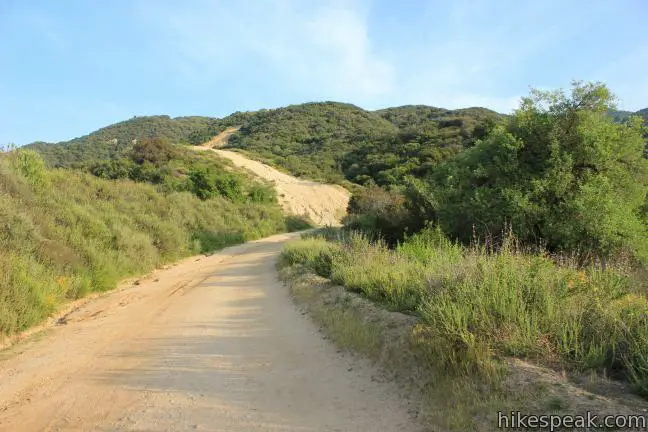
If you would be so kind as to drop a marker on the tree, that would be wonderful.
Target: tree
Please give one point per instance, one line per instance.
(562, 172)
(31, 165)
(379, 212)
(155, 150)
(207, 184)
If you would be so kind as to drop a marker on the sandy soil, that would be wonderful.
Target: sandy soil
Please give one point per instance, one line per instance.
(222, 138)
(324, 204)
(212, 343)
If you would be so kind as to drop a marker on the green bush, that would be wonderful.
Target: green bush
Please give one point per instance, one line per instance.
(92, 232)
(154, 150)
(562, 172)
(379, 213)
(262, 193)
(208, 184)
(113, 169)
(32, 167)
(478, 306)
(315, 253)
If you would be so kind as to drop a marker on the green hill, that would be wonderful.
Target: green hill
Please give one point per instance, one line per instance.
(418, 116)
(623, 115)
(333, 141)
(309, 140)
(65, 233)
(326, 141)
(113, 141)
(620, 115)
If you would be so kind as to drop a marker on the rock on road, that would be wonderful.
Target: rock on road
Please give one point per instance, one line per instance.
(212, 343)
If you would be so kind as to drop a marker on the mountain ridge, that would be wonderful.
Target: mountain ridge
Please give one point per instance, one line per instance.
(318, 140)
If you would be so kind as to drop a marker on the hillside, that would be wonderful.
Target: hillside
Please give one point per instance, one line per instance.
(334, 142)
(66, 233)
(323, 204)
(427, 136)
(325, 141)
(113, 141)
(308, 140)
(418, 116)
(624, 115)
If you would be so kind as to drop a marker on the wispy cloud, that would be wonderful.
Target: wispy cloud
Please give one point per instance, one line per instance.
(214, 57)
(325, 49)
(466, 52)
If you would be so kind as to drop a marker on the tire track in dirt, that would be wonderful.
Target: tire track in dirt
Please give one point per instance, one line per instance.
(213, 344)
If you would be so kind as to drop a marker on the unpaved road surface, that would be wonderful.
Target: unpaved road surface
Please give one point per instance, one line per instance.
(221, 139)
(212, 344)
(323, 204)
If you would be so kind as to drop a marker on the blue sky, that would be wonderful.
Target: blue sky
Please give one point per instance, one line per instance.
(68, 67)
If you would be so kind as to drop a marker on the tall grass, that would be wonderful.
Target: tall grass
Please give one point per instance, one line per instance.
(64, 233)
(478, 306)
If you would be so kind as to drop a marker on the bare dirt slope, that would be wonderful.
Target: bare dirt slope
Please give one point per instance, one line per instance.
(323, 204)
(211, 344)
(221, 139)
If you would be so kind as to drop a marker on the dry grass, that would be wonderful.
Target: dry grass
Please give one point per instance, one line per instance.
(64, 234)
(477, 323)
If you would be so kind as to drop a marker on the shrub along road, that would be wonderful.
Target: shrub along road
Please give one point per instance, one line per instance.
(212, 343)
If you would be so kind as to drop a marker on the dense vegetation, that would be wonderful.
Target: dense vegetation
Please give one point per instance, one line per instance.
(65, 233)
(478, 306)
(336, 142)
(178, 169)
(308, 139)
(115, 140)
(560, 173)
(531, 243)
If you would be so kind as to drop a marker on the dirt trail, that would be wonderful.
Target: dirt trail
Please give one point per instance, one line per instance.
(210, 344)
(324, 204)
(221, 139)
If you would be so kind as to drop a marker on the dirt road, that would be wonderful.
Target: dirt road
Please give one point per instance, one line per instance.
(221, 139)
(213, 344)
(323, 204)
